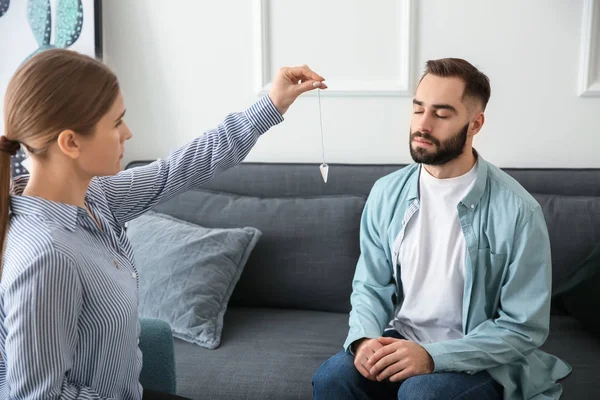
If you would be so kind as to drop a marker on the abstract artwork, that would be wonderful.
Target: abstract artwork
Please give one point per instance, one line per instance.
(4, 6)
(30, 26)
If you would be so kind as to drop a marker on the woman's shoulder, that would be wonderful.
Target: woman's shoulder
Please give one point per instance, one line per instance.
(31, 242)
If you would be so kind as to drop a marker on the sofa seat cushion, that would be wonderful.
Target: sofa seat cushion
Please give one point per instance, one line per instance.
(570, 341)
(273, 354)
(264, 354)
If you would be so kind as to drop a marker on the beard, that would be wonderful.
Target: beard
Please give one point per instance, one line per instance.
(446, 151)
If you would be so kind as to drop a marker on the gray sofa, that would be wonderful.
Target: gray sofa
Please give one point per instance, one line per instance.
(289, 311)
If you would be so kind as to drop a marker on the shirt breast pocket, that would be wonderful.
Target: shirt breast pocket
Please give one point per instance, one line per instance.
(492, 264)
(489, 273)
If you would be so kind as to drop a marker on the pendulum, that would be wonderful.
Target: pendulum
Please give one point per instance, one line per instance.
(323, 167)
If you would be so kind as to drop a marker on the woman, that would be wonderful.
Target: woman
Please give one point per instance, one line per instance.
(68, 292)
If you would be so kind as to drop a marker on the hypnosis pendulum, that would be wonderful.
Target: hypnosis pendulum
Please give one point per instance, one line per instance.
(323, 167)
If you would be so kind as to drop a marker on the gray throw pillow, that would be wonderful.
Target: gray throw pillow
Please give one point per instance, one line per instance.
(188, 272)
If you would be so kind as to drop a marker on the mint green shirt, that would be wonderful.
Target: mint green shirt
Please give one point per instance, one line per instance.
(508, 280)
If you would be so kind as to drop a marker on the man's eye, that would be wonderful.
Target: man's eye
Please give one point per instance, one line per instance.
(418, 112)
(119, 123)
(441, 116)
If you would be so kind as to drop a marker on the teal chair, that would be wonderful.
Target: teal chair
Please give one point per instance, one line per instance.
(158, 366)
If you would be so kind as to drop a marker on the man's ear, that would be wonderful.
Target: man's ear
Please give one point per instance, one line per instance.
(476, 124)
(69, 144)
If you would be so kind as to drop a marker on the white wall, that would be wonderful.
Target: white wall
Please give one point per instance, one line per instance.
(185, 65)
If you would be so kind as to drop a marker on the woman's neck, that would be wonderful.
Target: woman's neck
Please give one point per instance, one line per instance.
(58, 183)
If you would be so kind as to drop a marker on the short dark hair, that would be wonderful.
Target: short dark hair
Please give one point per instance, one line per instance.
(477, 84)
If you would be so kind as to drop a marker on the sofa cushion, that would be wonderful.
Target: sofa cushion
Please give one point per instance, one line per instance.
(571, 342)
(265, 354)
(574, 228)
(273, 354)
(188, 272)
(579, 295)
(306, 256)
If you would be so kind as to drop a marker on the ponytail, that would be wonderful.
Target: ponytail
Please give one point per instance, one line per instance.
(7, 149)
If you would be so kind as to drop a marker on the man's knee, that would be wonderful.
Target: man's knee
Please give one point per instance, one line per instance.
(449, 385)
(419, 387)
(336, 371)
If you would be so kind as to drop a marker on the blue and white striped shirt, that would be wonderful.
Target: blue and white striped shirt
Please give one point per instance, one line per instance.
(69, 291)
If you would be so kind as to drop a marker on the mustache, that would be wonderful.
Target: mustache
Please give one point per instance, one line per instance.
(425, 136)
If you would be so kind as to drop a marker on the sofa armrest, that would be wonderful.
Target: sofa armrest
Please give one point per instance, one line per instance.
(158, 366)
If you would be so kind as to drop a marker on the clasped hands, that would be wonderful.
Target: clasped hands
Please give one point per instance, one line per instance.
(390, 358)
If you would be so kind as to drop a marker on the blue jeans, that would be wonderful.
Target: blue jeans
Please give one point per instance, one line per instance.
(338, 378)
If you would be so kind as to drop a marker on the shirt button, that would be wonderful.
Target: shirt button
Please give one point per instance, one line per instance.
(133, 275)
(116, 263)
(472, 205)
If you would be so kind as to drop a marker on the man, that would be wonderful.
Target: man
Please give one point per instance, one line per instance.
(464, 251)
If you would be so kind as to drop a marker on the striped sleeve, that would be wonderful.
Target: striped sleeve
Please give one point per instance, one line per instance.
(43, 304)
(134, 191)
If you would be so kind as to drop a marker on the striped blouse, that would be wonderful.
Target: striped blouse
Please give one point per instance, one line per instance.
(69, 323)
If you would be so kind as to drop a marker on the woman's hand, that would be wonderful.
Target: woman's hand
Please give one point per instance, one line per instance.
(291, 82)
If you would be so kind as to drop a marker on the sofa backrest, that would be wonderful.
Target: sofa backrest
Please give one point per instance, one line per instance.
(309, 248)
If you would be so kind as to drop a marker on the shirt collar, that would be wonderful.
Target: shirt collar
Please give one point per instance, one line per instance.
(413, 184)
(64, 214)
(471, 199)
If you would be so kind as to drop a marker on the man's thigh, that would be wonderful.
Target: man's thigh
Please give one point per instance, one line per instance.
(338, 378)
(451, 385)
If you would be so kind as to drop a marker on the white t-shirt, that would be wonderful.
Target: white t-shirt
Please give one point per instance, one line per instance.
(432, 262)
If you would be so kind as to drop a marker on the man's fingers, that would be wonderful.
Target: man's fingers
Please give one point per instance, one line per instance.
(391, 370)
(385, 340)
(363, 370)
(383, 363)
(379, 354)
(372, 350)
(402, 375)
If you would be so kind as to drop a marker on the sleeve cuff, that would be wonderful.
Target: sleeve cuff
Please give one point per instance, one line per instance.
(351, 338)
(441, 359)
(263, 115)
(349, 349)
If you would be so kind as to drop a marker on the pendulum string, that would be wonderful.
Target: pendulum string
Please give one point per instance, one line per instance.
(324, 167)
(321, 123)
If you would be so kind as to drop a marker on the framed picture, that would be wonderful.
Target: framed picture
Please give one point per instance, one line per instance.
(28, 26)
